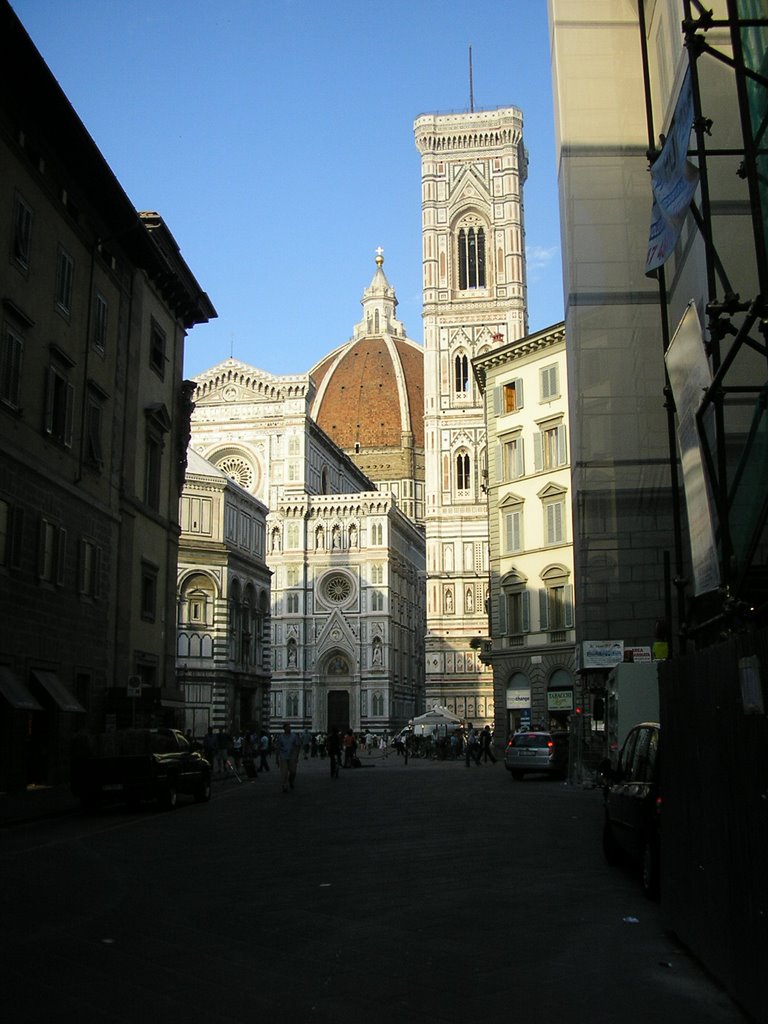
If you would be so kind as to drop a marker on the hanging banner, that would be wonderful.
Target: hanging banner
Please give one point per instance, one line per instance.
(690, 376)
(674, 180)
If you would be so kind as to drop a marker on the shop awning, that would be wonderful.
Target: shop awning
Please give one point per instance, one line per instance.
(15, 692)
(57, 691)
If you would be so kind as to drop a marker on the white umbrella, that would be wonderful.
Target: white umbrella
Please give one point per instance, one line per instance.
(435, 720)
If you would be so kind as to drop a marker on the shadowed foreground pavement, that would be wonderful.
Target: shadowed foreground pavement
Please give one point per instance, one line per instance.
(427, 892)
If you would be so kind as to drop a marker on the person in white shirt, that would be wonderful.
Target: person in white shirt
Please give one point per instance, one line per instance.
(288, 749)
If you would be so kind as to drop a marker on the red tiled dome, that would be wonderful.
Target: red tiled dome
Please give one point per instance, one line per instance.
(370, 392)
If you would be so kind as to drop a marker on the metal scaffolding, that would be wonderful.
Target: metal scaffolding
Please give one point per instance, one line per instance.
(735, 459)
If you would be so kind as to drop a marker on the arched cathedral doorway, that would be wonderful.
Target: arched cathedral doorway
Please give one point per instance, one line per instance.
(338, 673)
(338, 709)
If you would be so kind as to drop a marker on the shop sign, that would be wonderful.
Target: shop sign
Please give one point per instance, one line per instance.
(517, 699)
(641, 655)
(602, 653)
(560, 700)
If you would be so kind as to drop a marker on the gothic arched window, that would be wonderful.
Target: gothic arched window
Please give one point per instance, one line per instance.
(461, 367)
(463, 471)
(471, 246)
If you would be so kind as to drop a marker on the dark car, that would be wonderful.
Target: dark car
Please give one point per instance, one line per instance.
(137, 765)
(632, 803)
(529, 752)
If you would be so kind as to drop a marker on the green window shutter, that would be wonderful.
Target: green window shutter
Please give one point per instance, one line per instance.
(568, 609)
(562, 445)
(543, 609)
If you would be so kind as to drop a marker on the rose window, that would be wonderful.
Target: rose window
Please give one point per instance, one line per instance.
(338, 589)
(237, 469)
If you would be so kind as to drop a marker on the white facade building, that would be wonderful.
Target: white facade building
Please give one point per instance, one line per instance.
(223, 631)
(347, 564)
(532, 650)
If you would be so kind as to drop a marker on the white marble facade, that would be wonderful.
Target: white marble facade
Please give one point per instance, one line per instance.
(347, 564)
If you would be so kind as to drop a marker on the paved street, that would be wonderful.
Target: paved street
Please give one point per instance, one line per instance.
(396, 892)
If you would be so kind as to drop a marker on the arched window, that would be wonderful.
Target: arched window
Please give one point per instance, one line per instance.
(196, 605)
(471, 253)
(461, 374)
(556, 599)
(514, 607)
(463, 472)
(378, 703)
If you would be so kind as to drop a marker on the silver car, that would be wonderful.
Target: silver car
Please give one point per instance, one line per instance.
(529, 752)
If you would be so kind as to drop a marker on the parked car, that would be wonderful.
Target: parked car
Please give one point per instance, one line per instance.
(136, 765)
(632, 802)
(529, 752)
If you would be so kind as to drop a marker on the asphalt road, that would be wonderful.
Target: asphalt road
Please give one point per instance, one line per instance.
(428, 892)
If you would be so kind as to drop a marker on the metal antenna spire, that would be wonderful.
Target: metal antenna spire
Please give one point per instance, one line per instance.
(471, 86)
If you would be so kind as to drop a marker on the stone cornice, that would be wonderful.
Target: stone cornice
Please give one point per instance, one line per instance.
(529, 345)
(459, 132)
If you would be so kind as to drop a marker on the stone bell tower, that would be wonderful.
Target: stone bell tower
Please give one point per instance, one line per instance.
(473, 167)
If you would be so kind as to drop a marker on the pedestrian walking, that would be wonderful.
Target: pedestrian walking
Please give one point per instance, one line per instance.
(472, 746)
(237, 749)
(210, 746)
(333, 747)
(288, 749)
(222, 750)
(350, 747)
(264, 752)
(306, 743)
(486, 742)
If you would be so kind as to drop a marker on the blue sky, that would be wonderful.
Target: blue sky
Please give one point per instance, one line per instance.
(276, 140)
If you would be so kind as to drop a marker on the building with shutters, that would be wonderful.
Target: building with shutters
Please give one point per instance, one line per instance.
(95, 304)
(532, 646)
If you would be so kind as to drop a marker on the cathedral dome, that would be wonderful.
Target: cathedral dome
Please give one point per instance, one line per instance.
(370, 391)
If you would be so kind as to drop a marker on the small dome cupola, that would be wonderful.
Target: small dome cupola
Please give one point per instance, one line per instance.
(379, 302)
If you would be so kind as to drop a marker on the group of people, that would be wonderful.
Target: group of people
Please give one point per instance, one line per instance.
(225, 751)
(230, 752)
(472, 744)
(478, 746)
